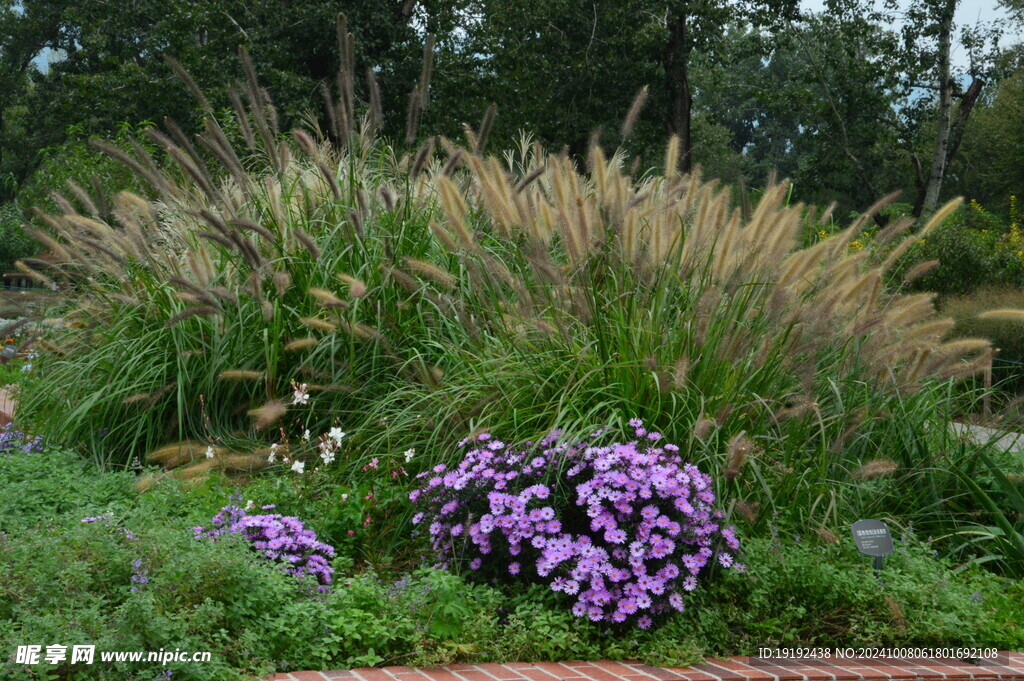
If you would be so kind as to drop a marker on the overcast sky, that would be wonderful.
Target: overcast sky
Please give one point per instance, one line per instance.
(968, 13)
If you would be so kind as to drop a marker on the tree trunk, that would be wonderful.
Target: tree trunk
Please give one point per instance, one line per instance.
(963, 112)
(940, 157)
(677, 76)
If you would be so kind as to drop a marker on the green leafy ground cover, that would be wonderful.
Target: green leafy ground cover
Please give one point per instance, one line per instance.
(67, 581)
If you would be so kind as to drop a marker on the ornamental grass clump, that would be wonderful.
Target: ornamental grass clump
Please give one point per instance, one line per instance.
(624, 529)
(278, 538)
(422, 293)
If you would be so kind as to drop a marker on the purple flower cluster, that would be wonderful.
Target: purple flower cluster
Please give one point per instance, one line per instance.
(282, 539)
(139, 578)
(15, 441)
(626, 533)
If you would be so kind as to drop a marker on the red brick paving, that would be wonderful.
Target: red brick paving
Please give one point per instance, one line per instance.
(1009, 667)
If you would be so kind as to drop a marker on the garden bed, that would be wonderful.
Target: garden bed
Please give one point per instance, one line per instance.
(488, 411)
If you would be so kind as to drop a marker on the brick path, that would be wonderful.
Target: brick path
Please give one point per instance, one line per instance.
(1007, 666)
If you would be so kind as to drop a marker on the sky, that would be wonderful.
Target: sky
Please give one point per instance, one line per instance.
(968, 13)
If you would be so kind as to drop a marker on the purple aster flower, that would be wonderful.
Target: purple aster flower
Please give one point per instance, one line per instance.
(615, 563)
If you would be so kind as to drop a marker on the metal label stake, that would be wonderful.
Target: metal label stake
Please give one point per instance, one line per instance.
(873, 539)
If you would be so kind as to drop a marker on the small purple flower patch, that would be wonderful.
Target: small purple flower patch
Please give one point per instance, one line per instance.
(12, 441)
(139, 578)
(282, 539)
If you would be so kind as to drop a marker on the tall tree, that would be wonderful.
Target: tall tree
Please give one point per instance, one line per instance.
(698, 26)
(817, 106)
(564, 67)
(928, 39)
(111, 66)
(991, 164)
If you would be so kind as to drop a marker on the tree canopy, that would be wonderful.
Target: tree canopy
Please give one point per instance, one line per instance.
(852, 102)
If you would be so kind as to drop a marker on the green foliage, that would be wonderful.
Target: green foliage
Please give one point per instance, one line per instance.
(43, 487)
(1004, 334)
(15, 243)
(70, 582)
(1003, 540)
(829, 98)
(109, 67)
(808, 593)
(976, 249)
(804, 112)
(75, 161)
(991, 167)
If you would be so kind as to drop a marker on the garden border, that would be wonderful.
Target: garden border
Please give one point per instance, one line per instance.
(1010, 666)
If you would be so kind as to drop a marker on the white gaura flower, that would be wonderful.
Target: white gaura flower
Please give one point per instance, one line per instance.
(336, 435)
(305, 434)
(299, 467)
(301, 396)
(327, 447)
(209, 452)
(249, 505)
(409, 453)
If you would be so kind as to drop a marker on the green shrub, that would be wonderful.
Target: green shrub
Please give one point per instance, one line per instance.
(1006, 335)
(976, 250)
(15, 243)
(41, 487)
(76, 161)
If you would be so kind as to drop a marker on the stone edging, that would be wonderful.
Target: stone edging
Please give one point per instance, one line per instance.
(1009, 666)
